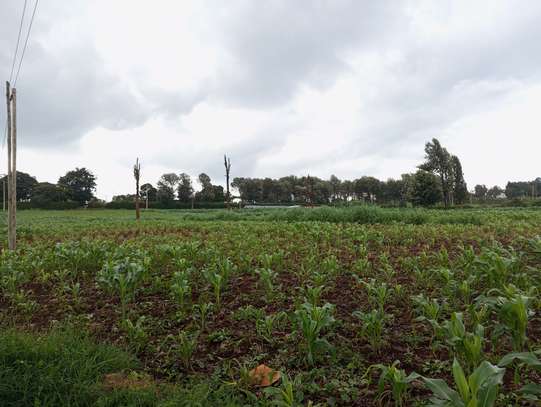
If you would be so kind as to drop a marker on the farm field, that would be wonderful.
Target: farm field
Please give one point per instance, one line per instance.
(353, 306)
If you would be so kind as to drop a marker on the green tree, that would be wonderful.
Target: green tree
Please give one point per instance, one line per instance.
(494, 192)
(167, 185)
(391, 191)
(335, 184)
(426, 189)
(438, 161)
(185, 188)
(80, 184)
(519, 189)
(207, 189)
(367, 187)
(460, 189)
(45, 193)
(480, 192)
(147, 190)
(25, 184)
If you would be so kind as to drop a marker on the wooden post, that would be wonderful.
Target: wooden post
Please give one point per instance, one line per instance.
(14, 169)
(227, 164)
(137, 175)
(10, 167)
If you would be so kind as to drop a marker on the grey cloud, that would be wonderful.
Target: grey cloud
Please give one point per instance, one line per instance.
(277, 46)
(61, 97)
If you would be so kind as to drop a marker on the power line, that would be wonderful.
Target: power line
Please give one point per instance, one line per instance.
(18, 40)
(25, 43)
(13, 65)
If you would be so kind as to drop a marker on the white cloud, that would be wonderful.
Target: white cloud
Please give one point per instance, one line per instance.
(346, 87)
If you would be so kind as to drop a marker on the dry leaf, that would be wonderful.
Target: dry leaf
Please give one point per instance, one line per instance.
(264, 376)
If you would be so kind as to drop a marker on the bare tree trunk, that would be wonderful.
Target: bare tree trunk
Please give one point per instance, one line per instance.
(137, 175)
(227, 164)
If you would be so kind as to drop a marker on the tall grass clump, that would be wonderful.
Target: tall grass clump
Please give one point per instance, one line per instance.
(61, 368)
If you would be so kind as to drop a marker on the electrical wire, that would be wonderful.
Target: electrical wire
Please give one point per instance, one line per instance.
(25, 43)
(13, 66)
(18, 40)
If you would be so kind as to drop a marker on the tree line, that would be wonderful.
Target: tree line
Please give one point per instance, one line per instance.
(439, 179)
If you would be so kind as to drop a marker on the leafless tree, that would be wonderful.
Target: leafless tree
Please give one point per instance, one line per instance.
(137, 176)
(227, 165)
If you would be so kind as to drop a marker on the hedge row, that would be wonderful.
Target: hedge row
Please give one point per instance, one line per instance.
(120, 205)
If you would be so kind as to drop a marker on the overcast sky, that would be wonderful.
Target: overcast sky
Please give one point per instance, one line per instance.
(286, 87)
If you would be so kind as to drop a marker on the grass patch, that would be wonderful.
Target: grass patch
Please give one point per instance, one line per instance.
(62, 368)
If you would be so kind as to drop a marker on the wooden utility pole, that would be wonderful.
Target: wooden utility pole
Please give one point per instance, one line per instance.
(137, 175)
(11, 101)
(227, 165)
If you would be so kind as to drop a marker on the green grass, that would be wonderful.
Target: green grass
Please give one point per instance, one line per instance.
(63, 368)
(360, 214)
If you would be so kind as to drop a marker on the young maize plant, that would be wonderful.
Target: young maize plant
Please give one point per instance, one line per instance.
(312, 295)
(137, 336)
(180, 287)
(187, 345)
(530, 391)
(398, 381)
(479, 389)
(267, 325)
(378, 292)
(513, 311)
(218, 283)
(467, 346)
(266, 280)
(373, 327)
(313, 321)
(122, 276)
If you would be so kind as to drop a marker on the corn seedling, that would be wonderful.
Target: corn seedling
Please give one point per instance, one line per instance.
(468, 346)
(187, 345)
(202, 312)
(397, 380)
(137, 336)
(180, 287)
(123, 276)
(373, 325)
(313, 321)
(266, 280)
(267, 325)
(479, 389)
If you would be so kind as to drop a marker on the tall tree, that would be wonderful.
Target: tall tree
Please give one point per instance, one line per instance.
(494, 192)
(391, 191)
(185, 188)
(480, 192)
(25, 184)
(207, 191)
(335, 184)
(149, 192)
(227, 165)
(520, 189)
(137, 176)
(426, 188)
(45, 193)
(167, 186)
(438, 161)
(460, 189)
(80, 184)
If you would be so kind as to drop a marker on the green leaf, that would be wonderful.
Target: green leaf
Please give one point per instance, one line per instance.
(532, 388)
(487, 396)
(442, 390)
(487, 374)
(461, 382)
(529, 358)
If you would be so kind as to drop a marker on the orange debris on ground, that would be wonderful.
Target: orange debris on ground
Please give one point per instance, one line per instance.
(264, 376)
